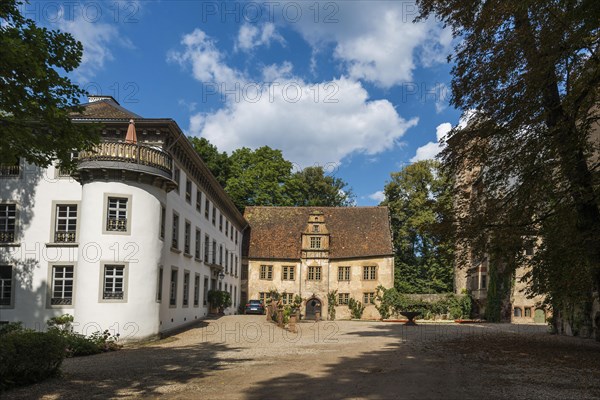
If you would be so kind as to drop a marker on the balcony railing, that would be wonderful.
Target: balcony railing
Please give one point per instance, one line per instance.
(116, 224)
(60, 301)
(128, 152)
(64, 237)
(7, 237)
(9, 170)
(113, 295)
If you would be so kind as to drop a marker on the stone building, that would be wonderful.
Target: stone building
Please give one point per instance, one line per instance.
(313, 251)
(132, 241)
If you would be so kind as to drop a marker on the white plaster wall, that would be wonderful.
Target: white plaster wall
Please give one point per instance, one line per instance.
(137, 316)
(34, 192)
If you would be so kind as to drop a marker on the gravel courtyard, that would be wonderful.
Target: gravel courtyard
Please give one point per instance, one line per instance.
(244, 357)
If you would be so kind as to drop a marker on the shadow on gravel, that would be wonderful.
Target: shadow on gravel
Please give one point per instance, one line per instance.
(451, 362)
(130, 372)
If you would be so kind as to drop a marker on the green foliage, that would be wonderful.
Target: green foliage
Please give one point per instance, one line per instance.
(219, 299)
(27, 357)
(35, 99)
(80, 345)
(532, 74)
(312, 187)
(390, 303)
(420, 202)
(11, 327)
(356, 308)
(217, 163)
(332, 301)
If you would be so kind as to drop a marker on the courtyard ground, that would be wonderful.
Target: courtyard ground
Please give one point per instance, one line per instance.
(244, 357)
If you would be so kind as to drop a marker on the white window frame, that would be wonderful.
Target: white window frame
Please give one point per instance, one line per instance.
(124, 282)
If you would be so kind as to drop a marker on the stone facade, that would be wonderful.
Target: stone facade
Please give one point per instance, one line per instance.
(310, 252)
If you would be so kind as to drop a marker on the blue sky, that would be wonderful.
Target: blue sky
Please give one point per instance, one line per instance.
(354, 86)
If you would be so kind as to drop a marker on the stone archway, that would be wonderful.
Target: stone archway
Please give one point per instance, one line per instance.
(313, 305)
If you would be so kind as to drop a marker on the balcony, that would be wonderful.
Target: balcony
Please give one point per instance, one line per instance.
(128, 161)
(10, 170)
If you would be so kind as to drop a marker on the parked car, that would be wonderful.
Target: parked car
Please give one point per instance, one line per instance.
(254, 307)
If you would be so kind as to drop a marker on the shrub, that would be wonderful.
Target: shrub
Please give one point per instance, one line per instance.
(219, 299)
(80, 345)
(356, 308)
(27, 356)
(331, 303)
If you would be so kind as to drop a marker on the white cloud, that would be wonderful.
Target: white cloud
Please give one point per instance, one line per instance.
(375, 41)
(311, 123)
(96, 38)
(377, 196)
(251, 36)
(432, 149)
(206, 60)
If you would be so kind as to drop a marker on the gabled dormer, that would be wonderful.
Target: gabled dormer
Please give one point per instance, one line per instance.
(315, 238)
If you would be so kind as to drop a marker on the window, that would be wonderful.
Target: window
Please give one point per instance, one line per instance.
(221, 222)
(187, 237)
(205, 293)
(197, 245)
(231, 233)
(175, 232)
(266, 272)
(529, 250)
(188, 191)
(214, 253)
(116, 214)
(236, 266)
(214, 216)
(315, 228)
(186, 288)
(173, 288)
(206, 208)
(160, 284)
(62, 285)
(226, 227)
(163, 221)
(196, 290)
(245, 271)
(206, 247)
(220, 254)
(483, 282)
(114, 282)
(288, 273)
(176, 178)
(528, 312)
(262, 296)
(287, 298)
(369, 273)
(314, 273)
(369, 298)
(517, 312)
(198, 201)
(235, 296)
(226, 261)
(315, 242)
(65, 227)
(231, 261)
(236, 237)
(343, 273)
(6, 285)
(8, 222)
(343, 298)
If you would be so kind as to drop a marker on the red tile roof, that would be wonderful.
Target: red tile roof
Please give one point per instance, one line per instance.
(276, 232)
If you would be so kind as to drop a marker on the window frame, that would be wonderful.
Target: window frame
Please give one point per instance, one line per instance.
(370, 299)
(175, 231)
(369, 273)
(198, 244)
(102, 286)
(315, 243)
(51, 281)
(314, 273)
(188, 190)
(55, 215)
(159, 284)
(187, 238)
(265, 272)
(196, 298)
(343, 299)
(343, 272)
(177, 177)
(12, 280)
(199, 200)
(173, 287)
(128, 213)
(288, 272)
(185, 294)
(13, 235)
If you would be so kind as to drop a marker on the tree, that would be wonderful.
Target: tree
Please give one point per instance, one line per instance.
(419, 198)
(258, 177)
(531, 71)
(311, 187)
(35, 99)
(217, 163)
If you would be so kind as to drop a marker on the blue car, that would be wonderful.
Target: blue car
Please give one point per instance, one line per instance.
(254, 307)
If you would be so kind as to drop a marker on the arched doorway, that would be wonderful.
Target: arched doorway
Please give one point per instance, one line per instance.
(539, 316)
(312, 307)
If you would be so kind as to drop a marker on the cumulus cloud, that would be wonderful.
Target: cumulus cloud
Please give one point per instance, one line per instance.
(376, 41)
(378, 196)
(432, 149)
(251, 36)
(205, 59)
(313, 124)
(96, 38)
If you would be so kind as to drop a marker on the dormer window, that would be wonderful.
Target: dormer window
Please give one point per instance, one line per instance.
(315, 228)
(315, 242)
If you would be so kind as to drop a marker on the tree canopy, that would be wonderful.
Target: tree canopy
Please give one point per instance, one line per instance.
(35, 99)
(420, 202)
(529, 73)
(217, 163)
(312, 187)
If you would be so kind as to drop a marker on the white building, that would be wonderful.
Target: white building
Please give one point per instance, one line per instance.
(132, 242)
